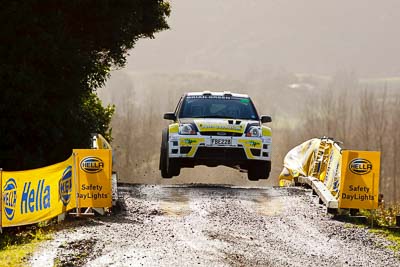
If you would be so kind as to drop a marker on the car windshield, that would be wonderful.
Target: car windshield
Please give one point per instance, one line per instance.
(218, 107)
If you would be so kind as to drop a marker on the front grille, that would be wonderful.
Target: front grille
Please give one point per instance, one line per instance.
(224, 133)
(220, 153)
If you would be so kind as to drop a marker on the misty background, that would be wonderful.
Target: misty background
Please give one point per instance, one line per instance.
(318, 67)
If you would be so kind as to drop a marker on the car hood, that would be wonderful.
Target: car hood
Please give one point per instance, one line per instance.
(220, 125)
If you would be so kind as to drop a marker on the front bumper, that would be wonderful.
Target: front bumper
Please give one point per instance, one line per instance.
(236, 149)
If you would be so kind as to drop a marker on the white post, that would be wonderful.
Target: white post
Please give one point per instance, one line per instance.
(94, 142)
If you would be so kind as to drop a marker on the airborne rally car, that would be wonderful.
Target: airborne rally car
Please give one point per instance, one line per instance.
(216, 128)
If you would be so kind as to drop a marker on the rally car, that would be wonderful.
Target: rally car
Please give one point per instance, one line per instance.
(216, 128)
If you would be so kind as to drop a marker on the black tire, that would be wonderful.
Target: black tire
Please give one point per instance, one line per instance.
(259, 170)
(164, 165)
(250, 177)
(168, 167)
(174, 167)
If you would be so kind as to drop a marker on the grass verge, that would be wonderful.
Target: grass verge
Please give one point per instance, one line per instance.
(384, 221)
(391, 235)
(18, 243)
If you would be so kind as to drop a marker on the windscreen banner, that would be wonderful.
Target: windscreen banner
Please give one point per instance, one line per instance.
(359, 186)
(37, 195)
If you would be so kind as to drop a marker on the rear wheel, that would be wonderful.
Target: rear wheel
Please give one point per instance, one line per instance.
(168, 167)
(259, 170)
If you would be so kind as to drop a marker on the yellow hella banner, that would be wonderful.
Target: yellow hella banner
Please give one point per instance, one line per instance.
(332, 173)
(93, 177)
(36, 195)
(298, 161)
(359, 185)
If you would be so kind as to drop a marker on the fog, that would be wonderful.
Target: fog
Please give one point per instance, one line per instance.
(295, 58)
(304, 36)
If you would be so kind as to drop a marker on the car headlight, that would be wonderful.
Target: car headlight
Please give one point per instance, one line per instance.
(253, 132)
(186, 129)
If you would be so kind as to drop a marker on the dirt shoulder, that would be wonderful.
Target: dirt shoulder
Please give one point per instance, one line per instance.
(215, 226)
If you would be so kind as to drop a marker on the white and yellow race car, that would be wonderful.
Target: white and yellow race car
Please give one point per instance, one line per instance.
(216, 128)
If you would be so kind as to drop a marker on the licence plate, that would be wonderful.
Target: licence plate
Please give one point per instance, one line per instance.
(221, 142)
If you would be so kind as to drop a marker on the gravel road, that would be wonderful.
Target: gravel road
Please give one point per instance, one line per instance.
(214, 226)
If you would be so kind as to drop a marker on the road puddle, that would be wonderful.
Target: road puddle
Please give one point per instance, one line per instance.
(269, 206)
(176, 203)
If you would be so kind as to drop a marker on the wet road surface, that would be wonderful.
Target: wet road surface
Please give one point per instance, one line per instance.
(215, 226)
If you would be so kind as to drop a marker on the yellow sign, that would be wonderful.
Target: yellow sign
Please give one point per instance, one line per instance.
(93, 177)
(36, 195)
(359, 185)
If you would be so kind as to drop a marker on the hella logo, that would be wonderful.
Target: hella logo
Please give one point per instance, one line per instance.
(10, 198)
(92, 165)
(65, 186)
(360, 166)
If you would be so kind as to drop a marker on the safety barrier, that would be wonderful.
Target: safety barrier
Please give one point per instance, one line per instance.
(82, 181)
(343, 179)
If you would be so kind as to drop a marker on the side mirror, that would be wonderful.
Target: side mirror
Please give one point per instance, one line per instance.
(170, 116)
(265, 119)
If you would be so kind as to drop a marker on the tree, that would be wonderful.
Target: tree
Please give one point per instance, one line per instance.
(54, 55)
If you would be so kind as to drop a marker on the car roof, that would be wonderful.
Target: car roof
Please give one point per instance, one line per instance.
(225, 93)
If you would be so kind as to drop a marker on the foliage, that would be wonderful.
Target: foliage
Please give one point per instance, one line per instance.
(97, 116)
(383, 216)
(54, 55)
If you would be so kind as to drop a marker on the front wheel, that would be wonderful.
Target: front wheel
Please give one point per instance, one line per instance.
(168, 167)
(259, 170)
